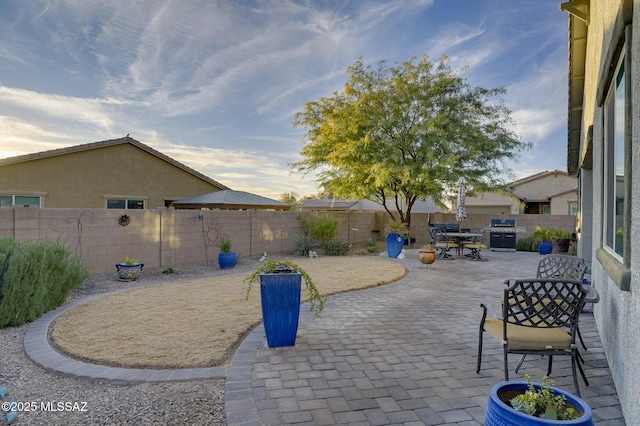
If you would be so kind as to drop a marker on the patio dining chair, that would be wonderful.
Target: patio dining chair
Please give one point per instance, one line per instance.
(539, 316)
(475, 245)
(442, 243)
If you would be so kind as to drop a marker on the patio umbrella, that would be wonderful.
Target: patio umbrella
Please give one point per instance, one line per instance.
(461, 211)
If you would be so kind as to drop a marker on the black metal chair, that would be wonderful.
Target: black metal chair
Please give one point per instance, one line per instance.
(475, 246)
(442, 243)
(539, 316)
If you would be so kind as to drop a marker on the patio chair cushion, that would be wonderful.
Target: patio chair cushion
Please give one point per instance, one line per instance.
(533, 338)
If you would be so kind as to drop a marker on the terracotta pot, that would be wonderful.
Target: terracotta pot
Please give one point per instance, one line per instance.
(426, 257)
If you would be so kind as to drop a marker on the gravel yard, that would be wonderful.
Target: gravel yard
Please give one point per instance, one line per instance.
(100, 403)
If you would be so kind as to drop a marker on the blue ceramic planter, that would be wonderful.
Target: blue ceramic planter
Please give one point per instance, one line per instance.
(395, 243)
(499, 413)
(545, 247)
(280, 299)
(227, 260)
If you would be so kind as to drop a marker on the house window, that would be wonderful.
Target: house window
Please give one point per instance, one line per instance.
(125, 204)
(614, 158)
(573, 208)
(19, 200)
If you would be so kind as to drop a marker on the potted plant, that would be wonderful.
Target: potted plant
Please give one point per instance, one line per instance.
(543, 238)
(129, 270)
(526, 403)
(226, 257)
(561, 241)
(427, 254)
(280, 288)
(396, 230)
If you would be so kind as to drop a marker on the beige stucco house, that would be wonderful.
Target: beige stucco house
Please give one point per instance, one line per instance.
(549, 192)
(603, 150)
(119, 173)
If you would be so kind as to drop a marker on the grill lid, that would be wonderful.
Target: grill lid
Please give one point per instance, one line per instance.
(503, 223)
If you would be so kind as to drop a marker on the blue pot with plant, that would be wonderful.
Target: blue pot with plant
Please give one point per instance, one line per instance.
(523, 403)
(395, 238)
(226, 257)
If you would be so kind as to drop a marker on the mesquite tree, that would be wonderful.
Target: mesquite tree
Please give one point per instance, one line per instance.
(398, 134)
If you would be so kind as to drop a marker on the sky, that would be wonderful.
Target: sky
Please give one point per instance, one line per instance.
(216, 84)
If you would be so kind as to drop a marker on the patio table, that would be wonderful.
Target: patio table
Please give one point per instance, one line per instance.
(461, 237)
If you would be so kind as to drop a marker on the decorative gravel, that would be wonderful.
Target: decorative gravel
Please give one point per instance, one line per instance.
(48, 398)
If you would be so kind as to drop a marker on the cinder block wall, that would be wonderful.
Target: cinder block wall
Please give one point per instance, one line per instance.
(167, 237)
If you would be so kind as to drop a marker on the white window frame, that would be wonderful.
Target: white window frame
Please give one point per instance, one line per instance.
(613, 225)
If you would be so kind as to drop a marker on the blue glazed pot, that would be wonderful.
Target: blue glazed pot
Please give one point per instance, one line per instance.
(395, 242)
(227, 260)
(499, 413)
(280, 299)
(545, 247)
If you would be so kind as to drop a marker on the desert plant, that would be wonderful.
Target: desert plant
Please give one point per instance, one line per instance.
(525, 244)
(542, 402)
(224, 244)
(397, 227)
(128, 260)
(35, 277)
(372, 246)
(272, 266)
(543, 234)
(336, 248)
(304, 244)
(321, 227)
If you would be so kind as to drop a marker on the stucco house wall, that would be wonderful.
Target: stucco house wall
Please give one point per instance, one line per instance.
(561, 203)
(85, 176)
(613, 24)
(555, 187)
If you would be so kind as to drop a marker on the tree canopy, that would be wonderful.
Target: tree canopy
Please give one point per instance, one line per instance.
(398, 134)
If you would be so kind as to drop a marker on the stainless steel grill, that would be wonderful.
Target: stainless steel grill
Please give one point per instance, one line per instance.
(502, 235)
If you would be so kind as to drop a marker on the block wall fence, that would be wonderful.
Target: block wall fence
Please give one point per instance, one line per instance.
(167, 237)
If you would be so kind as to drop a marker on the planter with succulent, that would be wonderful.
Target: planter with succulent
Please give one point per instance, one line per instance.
(520, 403)
(226, 257)
(427, 254)
(129, 270)
(280, 292)
(396, 230)
(543, 238)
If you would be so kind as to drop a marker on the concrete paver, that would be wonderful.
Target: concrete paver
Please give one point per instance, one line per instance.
(405, 353)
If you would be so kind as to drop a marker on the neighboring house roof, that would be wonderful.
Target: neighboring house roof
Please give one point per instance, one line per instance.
(571, 190)
(229, 199)
(537, 176)
(102, 144)
(428, 206)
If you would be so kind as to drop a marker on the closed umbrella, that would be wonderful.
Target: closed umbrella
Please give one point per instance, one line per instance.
(461, 211)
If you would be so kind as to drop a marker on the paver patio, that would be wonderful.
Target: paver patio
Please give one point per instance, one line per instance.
(403, 353)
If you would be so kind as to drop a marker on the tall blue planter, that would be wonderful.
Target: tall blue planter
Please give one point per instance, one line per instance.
(280, 299)
(395, 242)
(545, 247)
(500, 414)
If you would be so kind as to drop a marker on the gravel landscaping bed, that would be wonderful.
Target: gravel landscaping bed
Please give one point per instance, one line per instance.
(48, 398)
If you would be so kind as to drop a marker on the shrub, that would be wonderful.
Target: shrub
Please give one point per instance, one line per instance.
(303, 245)
(321, 227)
(525, 244)
(35, 277)
(336, 248)
(372, 246)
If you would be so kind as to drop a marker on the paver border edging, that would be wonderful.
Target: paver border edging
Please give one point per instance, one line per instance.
(38, 349)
